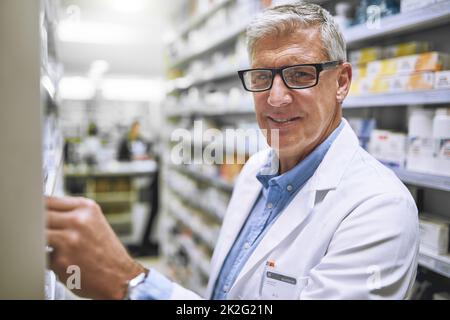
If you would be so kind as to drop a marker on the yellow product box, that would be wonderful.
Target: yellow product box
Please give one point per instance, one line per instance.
(382, 67)
(355, 89)
(405, 49)
(359, 72)
(442, 79)
(428, 61)
(365, 55)
(380, 85)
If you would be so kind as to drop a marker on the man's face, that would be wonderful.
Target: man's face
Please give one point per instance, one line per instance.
(311, 111)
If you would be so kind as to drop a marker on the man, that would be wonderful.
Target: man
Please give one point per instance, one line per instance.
(331, 223)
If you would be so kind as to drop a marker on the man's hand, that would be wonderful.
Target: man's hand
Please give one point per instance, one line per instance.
(80, 235)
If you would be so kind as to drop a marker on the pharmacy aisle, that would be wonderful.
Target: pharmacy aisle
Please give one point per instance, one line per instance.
(147, 155)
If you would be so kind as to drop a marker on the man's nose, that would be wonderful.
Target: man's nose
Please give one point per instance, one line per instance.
(279, 95)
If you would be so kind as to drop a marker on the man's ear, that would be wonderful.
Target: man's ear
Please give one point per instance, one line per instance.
(344, 81)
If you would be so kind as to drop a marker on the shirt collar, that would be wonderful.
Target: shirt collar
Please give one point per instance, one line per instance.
(298, 175)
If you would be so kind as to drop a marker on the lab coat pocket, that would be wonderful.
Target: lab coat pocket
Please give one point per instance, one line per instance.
(281, 286)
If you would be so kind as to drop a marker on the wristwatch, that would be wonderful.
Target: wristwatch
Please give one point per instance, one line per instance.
(134, 283)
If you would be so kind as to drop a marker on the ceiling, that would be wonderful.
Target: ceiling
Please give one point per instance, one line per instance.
(128, 34)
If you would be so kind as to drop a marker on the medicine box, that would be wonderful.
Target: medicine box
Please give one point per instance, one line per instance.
(434, 233)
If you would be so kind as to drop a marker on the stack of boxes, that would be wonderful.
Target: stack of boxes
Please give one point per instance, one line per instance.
(429, 141)
(399, 68)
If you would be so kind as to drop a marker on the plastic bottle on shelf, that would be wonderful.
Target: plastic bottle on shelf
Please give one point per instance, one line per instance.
(420, 141)
(441, 136)
(343, 13)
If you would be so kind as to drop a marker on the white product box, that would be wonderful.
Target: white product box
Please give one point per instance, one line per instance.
(365, 55)
(441, 136)
(388, 147)
(442, 79)
(420, 155)
(434, 233)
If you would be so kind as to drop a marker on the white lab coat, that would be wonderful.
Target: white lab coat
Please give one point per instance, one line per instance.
(350, 233)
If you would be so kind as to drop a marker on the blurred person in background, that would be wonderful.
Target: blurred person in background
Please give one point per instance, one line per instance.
(133, 146)
(91, 146)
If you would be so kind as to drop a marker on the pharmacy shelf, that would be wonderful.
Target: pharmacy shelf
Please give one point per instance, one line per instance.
(423, 180)
(425, 97)
(197, 205)
(202, 17)
(430, 16)
(52, 176)
(197, 258)
(222, 75)
(221, 42)
(199, 230)
(212, 112)
(437, 263)
(214, 181)
(112, 197)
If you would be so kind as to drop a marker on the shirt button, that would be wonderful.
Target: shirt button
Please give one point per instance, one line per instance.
(289, 187)
(247, 246)
(225, 289)
(270, 205)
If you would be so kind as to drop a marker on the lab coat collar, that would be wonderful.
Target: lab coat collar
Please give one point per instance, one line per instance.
(333, 166)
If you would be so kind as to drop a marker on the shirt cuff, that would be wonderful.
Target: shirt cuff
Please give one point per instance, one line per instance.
(155, 287)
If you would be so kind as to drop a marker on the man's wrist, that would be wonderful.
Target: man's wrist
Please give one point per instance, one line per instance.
(132, 272)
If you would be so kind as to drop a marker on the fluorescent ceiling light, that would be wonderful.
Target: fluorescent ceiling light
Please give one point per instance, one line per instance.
(151, 90)
(128, 6)
(76, 88)
(99, 33)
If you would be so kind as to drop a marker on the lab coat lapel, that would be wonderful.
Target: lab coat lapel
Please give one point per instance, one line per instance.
(237, 214)
(292, 217)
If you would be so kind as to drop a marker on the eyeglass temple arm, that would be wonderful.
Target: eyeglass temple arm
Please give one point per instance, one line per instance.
(331, 64)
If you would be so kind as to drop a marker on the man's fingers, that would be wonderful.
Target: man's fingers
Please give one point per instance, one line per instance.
(56, 238)
(62, 204)
(58, 220)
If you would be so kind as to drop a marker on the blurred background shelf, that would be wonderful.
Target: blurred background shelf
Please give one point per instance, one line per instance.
(424, 180)
(202, 17)
(434, 262)
(214, 181)
(425, 97)
(230, 37)
(403, 23)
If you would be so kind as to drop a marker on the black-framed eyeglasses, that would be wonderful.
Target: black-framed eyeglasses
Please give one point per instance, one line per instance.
(299, 76)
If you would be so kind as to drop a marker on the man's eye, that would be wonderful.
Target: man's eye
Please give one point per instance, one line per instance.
(301, 74)
(260, 77)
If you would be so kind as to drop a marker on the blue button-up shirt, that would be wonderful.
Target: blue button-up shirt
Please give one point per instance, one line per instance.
(277, 192)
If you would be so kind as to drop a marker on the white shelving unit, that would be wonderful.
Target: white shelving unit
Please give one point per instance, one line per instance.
(425, 97)
(437, 263)
(22, 239)
(214, 45)
(424, 180)
(214, 181)
(196, 21)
